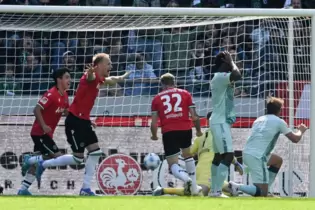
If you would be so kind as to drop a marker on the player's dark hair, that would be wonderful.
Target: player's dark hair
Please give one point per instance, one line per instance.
(59, 74)
(274, 105)
(209, 115)
(99, 58)
(218, 61)
(168, 79)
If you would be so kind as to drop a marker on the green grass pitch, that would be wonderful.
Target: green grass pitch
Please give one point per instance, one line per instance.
(152, 203)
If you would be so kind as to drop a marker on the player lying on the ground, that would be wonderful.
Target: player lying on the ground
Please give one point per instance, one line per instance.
(202, 147)
(174, 106)
(262, 140)
(223, 116)
(48, 112)
(78, 126)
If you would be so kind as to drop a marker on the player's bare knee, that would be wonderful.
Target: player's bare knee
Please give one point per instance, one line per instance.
(217, 159)
(228, 159)
(92, 147)
(275, 161)
(171, 160)
(95, 152)
(78, 155)
(186, 153)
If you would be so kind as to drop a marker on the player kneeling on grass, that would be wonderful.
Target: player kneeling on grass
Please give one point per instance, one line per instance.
(173, 106)
(202, 147)
(264, 135)
(48, 112)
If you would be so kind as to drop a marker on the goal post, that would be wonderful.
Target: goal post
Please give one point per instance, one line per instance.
(123, 119)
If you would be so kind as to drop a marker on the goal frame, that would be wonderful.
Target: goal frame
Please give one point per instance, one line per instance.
(156, 11)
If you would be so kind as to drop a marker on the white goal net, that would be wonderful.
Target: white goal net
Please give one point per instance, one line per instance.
(272, 52)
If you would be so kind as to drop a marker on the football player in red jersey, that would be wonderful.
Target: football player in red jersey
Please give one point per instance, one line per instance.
(174, 107)
(79, 128)
(48, 112)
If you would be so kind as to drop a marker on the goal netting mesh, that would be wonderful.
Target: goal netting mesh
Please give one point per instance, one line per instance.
(34, 45)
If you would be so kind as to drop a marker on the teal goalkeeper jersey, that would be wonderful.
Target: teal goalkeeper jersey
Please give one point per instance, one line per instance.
(222, 99)
(264, 135)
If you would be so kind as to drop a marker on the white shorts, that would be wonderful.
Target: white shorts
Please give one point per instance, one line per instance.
(222, 138)
(257, 168)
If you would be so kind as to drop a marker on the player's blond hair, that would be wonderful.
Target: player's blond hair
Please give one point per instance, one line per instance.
(99, 57)
(168, 79)
(274, 105)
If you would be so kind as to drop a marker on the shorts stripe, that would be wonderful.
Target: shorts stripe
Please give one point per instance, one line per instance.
(50, 151)
(223, 139)
(74, 141)
(264, 171)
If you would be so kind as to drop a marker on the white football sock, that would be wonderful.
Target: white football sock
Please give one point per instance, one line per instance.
(179, 173)
(90, 168)
(35, 159)
(27, 181)
(191, 170)
(62, 161)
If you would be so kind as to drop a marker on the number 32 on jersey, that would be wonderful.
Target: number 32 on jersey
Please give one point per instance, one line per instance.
(168, 103)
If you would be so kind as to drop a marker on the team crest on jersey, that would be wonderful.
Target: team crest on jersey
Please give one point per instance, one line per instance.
(43, 100)
(119, 174)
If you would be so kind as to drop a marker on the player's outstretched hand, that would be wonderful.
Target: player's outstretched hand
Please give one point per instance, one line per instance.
(302, 128)
(127, 73)
(46, 129)
(199, 133)
(227, 58)
(90, 69)
(154, 138)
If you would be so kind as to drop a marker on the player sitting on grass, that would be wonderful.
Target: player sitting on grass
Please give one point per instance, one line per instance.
(262, 140)
(48, 112)
(174, 106)
(202, 147)
(79, 127)
(223, 116)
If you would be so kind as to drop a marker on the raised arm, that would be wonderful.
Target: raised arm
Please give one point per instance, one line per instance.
(115, 79)
(90, 71)
(235, 72)
(295, 137)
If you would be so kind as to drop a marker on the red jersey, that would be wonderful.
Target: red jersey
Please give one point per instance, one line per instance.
(172, 106)
(85, 96)
(53, 105)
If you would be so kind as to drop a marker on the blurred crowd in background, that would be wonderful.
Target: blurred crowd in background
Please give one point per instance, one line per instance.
(258, 46)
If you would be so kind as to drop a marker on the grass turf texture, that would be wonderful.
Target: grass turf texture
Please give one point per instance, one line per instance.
(152, 203)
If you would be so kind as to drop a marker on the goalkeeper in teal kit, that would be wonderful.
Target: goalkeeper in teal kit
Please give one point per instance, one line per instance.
(223, 116)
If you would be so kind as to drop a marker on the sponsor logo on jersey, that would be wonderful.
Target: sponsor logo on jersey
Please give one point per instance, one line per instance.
(60, 110)
(119, 174)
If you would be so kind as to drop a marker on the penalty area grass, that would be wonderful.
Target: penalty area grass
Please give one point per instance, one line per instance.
(152, 203)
